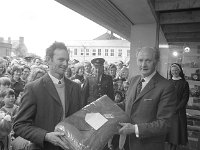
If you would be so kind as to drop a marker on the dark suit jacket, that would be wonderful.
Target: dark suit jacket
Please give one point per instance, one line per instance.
(151, 111)
(41, 110)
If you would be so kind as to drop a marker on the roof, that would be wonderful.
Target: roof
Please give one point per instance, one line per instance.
(98, 43)
(107, 36)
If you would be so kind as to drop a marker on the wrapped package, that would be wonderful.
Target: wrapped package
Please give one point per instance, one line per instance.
(91, 127)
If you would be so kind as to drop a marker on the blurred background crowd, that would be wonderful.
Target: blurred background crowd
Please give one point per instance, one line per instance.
(15, 73)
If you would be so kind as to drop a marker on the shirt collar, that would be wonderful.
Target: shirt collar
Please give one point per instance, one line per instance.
(55, 80)
(176, 78)
(148, 78)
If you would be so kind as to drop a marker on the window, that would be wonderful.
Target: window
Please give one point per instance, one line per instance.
(128, 52)
(82, 52)
(106, 52)
(87, 52)
(120, 53)
(94, 52)
(99, 52)
(112, 52)
(75, 51)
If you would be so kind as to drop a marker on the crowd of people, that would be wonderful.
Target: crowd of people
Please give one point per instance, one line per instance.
(36, 95)
(16, 73)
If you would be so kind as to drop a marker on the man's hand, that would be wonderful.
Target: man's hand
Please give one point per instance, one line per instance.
(127, 128)
(55, 139)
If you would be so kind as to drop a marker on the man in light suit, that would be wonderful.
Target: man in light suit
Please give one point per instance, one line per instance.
(47, 101)
(151, 109)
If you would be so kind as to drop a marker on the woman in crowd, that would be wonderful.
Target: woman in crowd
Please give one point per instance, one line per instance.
(25, 73)
(178, 131)
(113, 70)
(79, 73)
(16, 83)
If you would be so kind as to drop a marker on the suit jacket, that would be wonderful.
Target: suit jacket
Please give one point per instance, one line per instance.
(41, 110)
(151, 111)
(94, 90)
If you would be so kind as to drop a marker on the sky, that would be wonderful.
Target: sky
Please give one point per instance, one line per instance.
(41, 22)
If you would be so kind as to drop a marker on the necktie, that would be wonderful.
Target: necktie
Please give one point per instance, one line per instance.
(59, 82)
(139, 87)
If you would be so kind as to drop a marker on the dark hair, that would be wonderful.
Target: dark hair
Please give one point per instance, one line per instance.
(118, 92)
(6, 91)
(16, 68)
(181, 74)
(69, 71)
(112, 66)
(56, 45)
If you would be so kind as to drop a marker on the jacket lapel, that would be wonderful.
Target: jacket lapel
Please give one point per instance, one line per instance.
(50, 87)
(131, 98)
(150, 85)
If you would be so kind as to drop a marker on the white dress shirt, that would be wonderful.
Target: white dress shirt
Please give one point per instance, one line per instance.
(55, 80)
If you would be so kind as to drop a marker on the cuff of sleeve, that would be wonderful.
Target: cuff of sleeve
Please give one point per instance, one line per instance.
(136, 131)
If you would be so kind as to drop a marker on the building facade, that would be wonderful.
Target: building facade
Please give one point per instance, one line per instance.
(5, 48)
(112, 50)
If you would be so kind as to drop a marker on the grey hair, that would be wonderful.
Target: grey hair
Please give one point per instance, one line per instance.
(155, 51)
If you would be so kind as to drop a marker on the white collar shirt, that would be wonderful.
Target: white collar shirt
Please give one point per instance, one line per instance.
(55, 80)
(147, 79)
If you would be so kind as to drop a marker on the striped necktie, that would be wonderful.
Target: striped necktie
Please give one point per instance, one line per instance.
(139, 87)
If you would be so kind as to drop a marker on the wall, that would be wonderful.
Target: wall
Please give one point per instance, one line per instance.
(141, 35)
(5, 49)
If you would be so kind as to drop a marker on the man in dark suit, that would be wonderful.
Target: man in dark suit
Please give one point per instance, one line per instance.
(150, 102)
(47, 101)
(98, 84)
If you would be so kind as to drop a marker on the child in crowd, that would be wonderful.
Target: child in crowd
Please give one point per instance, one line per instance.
(5, 82)
(8, 96)
(120, 81)
(118, 96)
(115, 86)
(5, 129)
(125, 85)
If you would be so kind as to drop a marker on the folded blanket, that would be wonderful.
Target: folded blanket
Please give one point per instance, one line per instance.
(91, 127)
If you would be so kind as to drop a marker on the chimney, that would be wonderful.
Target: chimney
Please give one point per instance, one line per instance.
(21, 40)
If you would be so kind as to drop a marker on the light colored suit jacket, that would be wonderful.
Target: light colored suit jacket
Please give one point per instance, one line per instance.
(151, 111)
